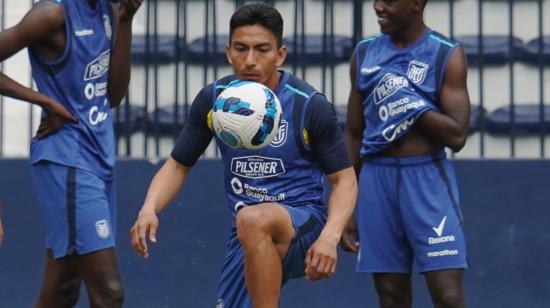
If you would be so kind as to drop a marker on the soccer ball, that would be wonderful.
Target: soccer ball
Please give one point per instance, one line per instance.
(246, 115)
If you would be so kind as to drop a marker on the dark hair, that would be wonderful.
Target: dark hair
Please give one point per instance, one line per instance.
(262, 14)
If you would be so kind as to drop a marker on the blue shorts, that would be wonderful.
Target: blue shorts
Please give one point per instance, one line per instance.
(307, 222)
(408, 211)
(78, 208)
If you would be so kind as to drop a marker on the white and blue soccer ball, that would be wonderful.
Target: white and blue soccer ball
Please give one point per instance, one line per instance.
(246, 115)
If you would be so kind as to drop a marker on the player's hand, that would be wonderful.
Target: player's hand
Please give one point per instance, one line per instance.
(128, 9)
(350, 238)
(56, 117)
(147, 222)
(321, 260)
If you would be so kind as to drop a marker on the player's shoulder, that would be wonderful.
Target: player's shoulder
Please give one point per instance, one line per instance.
(442, 39)
(300, 87)
(364, 43)
(48, 11)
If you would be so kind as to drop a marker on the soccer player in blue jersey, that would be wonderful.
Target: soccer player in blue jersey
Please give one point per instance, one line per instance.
(281, 229)
(80, 57)
(408, 101)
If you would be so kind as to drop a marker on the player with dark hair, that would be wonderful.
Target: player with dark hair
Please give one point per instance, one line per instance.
(281, 228)
(80, 57)
(408, 102)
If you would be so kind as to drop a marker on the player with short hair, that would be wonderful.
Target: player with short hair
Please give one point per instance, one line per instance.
(80, 56)
(270, 241)
(408, 102)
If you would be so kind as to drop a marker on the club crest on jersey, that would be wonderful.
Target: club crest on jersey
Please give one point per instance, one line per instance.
(280, 138)
(102, 228)
(417, 71)
(107, 26)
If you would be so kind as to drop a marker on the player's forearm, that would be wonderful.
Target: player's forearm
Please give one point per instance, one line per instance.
(119, 75)
(444, 129)
(341, 204)
(165, 186)
(13, 89)
(353, 145)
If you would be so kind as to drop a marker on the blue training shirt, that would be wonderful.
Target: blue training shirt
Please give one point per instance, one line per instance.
(289, 170)
(78, 80)
(398, 85)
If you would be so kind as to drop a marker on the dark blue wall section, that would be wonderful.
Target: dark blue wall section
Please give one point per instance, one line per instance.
(505, 204)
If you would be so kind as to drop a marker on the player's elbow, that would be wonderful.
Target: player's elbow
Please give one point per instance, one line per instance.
(457, 142)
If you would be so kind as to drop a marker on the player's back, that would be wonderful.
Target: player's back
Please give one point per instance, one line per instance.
(78, 80)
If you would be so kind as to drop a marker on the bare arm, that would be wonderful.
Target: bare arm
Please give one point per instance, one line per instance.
(162, 190)
(119, 71)
(450, 127)
(355, 122)
(321, 257)
(355, 125)
(41, 22)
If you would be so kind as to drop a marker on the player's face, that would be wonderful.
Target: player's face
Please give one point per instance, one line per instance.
(395, 16)
(254, 55)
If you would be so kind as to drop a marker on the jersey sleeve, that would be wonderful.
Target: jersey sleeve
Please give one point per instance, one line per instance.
(195, 135)
(327, 141)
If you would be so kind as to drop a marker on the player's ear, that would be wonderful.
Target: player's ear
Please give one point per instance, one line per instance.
(227, 53)
(281, 55)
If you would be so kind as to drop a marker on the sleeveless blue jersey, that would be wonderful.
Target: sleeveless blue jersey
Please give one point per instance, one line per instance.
(280, 172)
(78, 80)
(398, 85)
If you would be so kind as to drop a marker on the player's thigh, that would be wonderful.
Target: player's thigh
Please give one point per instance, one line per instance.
(384, 246)
(432, 216)
(445, 281)
(60, 273)
(266, 219)
(100, 269)
(94, 209)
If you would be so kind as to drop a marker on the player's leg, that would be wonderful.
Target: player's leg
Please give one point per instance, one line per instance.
(95, 213)
(434, 226)
(384, 251)
(61, 283)
(265, 232)
(54, 186)
(446, 288)
(99, 270)
(394, 290)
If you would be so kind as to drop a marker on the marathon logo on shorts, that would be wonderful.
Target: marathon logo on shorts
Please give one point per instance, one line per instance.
(98, 67)
(220, 303)
(257, 167)
(388, 86)
(417, 71)
(102, 228)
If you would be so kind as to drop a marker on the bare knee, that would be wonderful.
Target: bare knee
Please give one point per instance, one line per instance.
(251, 226)
(448, 298)
(69, 292)
(109, 293)
(394, 295)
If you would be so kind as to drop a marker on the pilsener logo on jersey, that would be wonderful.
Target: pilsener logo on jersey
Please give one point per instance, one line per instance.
(388, 85)
(257, 167)
(98, 67)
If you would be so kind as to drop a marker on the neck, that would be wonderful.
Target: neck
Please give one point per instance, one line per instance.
(274, 81)
(410, 35)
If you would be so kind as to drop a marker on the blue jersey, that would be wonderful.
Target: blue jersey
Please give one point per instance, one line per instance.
(398, 85)
(78, 80)
(288, 171)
